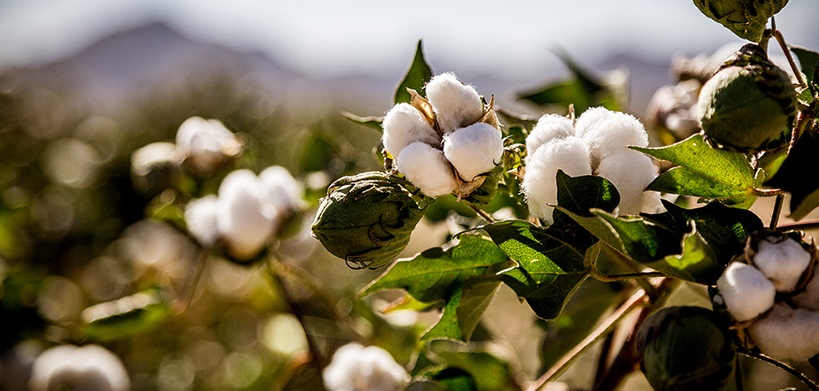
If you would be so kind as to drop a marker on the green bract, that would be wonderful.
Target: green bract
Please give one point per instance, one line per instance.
(746, 18)
(367, 219)
(749, 105)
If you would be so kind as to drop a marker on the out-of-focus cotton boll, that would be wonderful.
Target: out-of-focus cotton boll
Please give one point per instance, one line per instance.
(608, 131)
(539, 185)
(783, 262)
(746, 291)
(548, 128)
(404, 125)
(474, 150)
(285, 191)
(787, 333)
(428, 169)
(200, 217)
(630, 172)
(206, 145)
(358, 368)
(81, 368)
(456, 104)
(247, 216)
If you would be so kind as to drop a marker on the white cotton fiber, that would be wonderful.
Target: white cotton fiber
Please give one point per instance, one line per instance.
(783, 262)
(427, 168)
(456, 105)
(746, 291)
(630, 172)
(404, 125)
(474, 150)
(548, 127)
(787, 333)
(608, 131)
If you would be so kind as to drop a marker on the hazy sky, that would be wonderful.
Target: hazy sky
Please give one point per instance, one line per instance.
(510, 37)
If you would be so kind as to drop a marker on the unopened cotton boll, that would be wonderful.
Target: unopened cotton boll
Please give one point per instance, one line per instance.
(609, 131)
(548, 128)
(539, 185)
(89, 367)
(404, 125)
(783, 262)
(455, 104)
(200, 218)
(358, 368)
(474, 150)
(285, 191)
(630, 172)
(746, 291)
(787, 333)
(206, 145)
(246, 215)
(428, 169)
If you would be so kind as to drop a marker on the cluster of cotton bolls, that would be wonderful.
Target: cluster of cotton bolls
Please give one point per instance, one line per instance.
(444, 143)
(773, 292)
(596, 144)
(355, 367)
(69, 367)
(247, 211)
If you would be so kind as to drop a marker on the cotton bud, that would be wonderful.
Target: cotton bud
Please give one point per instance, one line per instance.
(630, 172)
(404, 125)
(609, 131)
(783, 260)
(247, 214)
(747, 293)
(367, 219)
(474, 150)
(749, 105)
(206, 145)
(358, 368)
(428, 169)
(456, 104)
(70, 367)
(155, 167)
(539, 185)
(548, 128)
(787, 333)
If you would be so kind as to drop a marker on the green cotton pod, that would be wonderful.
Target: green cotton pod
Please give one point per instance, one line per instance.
(367, 219)
(686, 348)
(745, 18)
(749, 105)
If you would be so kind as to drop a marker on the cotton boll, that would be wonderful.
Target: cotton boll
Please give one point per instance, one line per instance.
(474, 150)
(456, 104)
(630, 172)
(787, 333)
(746, 291)
(404, 125)
(206, 145)
(358, 368)
(809, 299)
(427, 168)
(548, 127)
(782, 262)
(89, 367)
(539, 185)
(285, 191)
(200, 218)
(652, 202)
(246, 215)
(609, 131)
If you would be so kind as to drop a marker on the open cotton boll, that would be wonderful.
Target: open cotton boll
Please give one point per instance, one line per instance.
(206, 145)
(746, 291)
(630, 172)
(89, 367)
(355, 367)
(456, 104)
(404, 125)
(782, 262)
(473, 150)
(427, 168)
(539, 185)
(285, 191)
(609, 131)
(246, 215)
(548, 127)
(200, 218)
(787, 333)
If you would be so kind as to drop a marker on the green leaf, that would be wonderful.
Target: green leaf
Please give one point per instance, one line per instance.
(583, 193)
(745, 18)
(463, 310)
(488, 372)
(125, 316)
(808, 61)
(416, 77)
(704, 172)
(696, 262)
(791, 176)
(373, 122)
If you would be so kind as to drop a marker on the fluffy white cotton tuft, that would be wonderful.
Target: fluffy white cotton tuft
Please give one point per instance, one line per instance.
(285, 191)
(539, 185)
(783, 262)
(358, 368)
(200, 217)
(630, 172)
(456, 104)
(746, 291)
(404, 125)
(428, 169)
(89, 367)
(474, 150)
(247, 217)
(787, 333)
(809, 299)
(548, 128)
(206, 144)
(609, 131)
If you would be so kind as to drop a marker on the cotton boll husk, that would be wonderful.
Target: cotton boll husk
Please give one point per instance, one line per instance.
(609, 131)
(548, 127)
(746, 291)
(539, 185)
(285, 191)
(456, 104)
(787, 333)
(246, 215)
(200, 218)
(783, 263)
(474, 150)
(404, 125)
(427, 168)
(630, 172)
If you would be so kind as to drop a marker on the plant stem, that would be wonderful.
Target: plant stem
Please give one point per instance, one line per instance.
(800, 225)
(597, 275)
(784, 45)
(808, 382)
(481, 212)
(777, 210)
